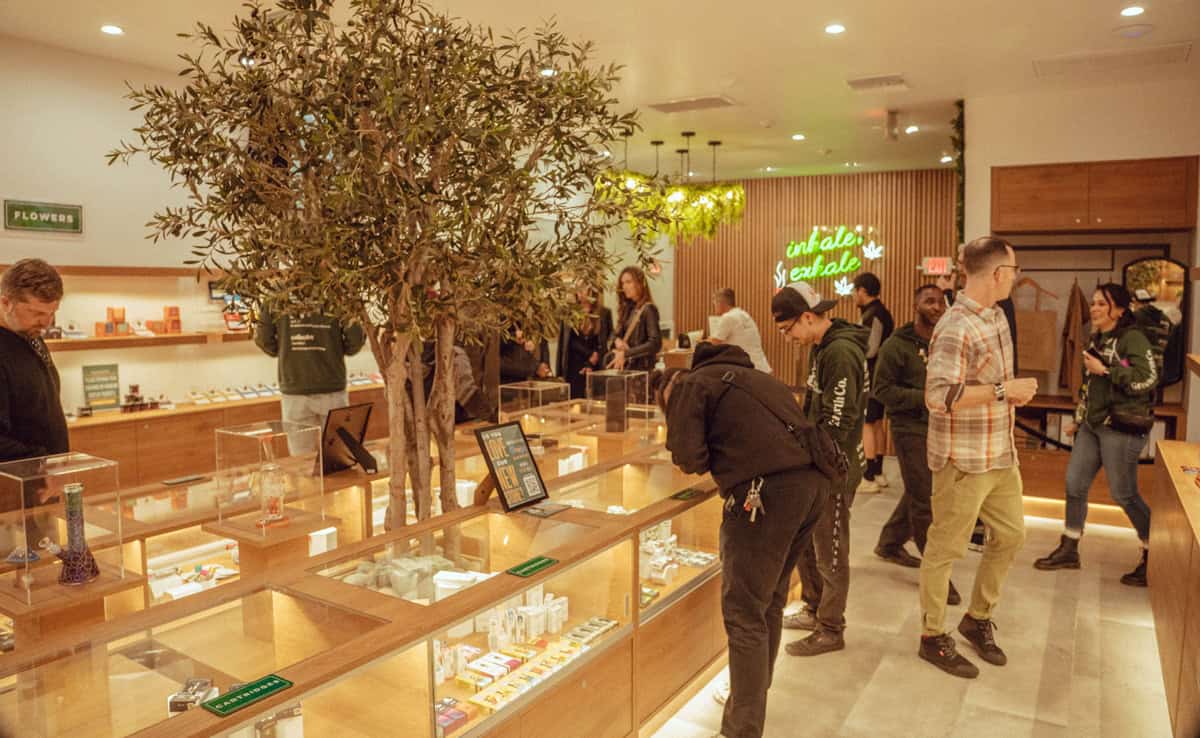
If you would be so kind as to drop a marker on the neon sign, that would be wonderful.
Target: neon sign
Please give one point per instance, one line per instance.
(832, 252)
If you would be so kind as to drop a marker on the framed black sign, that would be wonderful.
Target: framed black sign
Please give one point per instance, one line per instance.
(518, 479)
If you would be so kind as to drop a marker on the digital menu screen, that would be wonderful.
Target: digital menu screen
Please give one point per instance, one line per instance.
(511, 462)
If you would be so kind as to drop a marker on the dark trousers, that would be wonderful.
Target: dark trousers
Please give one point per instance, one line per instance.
(824, 565)
(756, 566)
(913, 513)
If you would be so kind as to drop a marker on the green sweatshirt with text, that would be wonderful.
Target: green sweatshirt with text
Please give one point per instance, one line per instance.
(1129, 385)
(312, 351)
(837, 390)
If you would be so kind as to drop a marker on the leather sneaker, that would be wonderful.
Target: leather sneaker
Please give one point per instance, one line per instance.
(802, 619)
(979, 633)
(897, 555)
(821, 641)
(941, 652)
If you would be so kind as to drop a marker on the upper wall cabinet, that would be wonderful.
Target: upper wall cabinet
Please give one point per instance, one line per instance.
(1140, 194)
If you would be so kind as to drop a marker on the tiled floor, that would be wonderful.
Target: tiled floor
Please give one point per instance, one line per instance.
(1083, 660)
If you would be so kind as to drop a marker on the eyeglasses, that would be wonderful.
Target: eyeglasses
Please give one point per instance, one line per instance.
(1016, 269)
(785, 329)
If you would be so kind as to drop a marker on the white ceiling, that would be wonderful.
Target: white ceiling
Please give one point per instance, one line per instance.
(771, 56)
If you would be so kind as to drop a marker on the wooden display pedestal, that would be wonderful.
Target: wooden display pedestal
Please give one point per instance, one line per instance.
(52, 607)
(259, 549)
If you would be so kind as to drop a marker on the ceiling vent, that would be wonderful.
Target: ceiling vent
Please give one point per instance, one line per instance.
(878, 83)
(1108, 61)
(689, 104)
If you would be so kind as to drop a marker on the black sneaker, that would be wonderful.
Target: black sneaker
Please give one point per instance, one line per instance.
(802, 619)
(953, 598)
(821, 641)
(979, 633)
(1137, 577)
(897, 555)
(941, 652)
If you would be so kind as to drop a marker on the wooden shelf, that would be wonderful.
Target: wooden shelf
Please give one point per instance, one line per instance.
(233, 337)
(129, 271)
(116, 342)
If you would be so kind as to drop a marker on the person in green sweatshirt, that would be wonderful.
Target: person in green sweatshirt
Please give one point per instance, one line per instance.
(1113, 419)
(836, 394)
(312, 355)
(899, 383)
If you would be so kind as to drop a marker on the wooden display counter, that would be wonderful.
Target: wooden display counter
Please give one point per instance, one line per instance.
(1174, 576)
(154, 445)
(362, 661)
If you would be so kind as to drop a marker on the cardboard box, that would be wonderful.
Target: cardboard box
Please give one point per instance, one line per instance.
(114, 315)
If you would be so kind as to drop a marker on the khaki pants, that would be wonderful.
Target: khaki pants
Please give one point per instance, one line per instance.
(958, 500)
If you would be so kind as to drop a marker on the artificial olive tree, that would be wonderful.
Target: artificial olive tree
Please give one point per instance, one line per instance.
(396, 168)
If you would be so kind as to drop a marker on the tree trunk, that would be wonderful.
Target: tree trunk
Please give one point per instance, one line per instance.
(420, 463)
(390, 351)
(441, 412)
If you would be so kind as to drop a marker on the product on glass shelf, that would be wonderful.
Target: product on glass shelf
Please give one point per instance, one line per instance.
(193, 693)
(79, 566)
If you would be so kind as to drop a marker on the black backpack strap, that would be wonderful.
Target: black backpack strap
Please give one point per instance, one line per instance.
(729, 379)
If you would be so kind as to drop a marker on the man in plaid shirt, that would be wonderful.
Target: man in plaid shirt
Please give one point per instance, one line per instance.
(971, 394)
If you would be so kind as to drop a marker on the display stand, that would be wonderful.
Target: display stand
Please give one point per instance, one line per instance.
(259, 548)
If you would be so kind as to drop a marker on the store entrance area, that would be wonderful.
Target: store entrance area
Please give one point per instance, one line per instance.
(1083, 660)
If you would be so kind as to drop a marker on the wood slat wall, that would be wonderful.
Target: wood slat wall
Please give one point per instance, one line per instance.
(912, 212)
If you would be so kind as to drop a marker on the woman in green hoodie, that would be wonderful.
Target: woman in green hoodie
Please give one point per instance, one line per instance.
(1112, 421)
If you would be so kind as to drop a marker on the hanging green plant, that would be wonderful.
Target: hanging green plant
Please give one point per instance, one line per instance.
(690, 209)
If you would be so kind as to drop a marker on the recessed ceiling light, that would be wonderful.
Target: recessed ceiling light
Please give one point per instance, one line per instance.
(112, 30)
(946, 159)
(691, 174)
(768, 169)
(797, 136)
(547, 72)
(912, 129)
(834, 29)
(1132, 11)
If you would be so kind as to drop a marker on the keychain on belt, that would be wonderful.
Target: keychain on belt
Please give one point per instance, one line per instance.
(753, 504)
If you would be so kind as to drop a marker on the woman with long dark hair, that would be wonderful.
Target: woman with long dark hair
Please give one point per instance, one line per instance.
(638, 339)
(1113, 419)
(581, 347)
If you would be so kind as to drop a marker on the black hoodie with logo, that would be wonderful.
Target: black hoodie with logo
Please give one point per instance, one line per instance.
(713, 427)
(838, 386)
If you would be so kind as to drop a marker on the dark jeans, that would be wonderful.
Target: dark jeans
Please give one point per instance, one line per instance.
(756, 566)
(824, 565)
(913, 513)
(1118, 454)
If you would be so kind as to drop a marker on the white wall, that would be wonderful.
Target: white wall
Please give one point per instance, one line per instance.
(1131, 121)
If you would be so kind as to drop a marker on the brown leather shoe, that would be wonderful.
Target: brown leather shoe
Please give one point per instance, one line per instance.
(821, 641)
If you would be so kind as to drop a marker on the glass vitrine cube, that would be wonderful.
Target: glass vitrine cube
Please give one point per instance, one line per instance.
(619, 396)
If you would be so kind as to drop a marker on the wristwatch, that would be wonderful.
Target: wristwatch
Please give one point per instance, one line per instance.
(998, 388)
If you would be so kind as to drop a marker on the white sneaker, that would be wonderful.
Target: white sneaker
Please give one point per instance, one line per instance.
(868, 487)
(721, 693)
(881, 480)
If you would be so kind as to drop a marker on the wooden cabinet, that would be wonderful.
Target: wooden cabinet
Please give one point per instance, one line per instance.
(1132, 195)
(117, 443)
(1040, 198)
(1142, 194)
(175, 446)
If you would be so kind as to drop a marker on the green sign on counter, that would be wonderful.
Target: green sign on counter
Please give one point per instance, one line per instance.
(533, 566)
(47, 217)
(101, 386)
(246, 695)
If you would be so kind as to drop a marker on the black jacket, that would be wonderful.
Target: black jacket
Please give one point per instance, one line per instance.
(574, 348)
(899, 381)
(31, 417)
(713, 427)
(877, 319)
(517, 364)
(645, 341)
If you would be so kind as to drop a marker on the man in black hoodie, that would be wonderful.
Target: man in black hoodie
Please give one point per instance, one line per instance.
(727, 418)
(837, 388)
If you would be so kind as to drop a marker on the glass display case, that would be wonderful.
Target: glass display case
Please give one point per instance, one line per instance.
(483, 669)
(619, 395)
(518, 397)
(436, 565)
(627, 488)
(261, 467)
(678, 554)
(123, 685)
(62, 557)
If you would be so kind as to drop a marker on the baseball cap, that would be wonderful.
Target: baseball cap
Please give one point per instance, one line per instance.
(796, 299)
(1142, 296)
